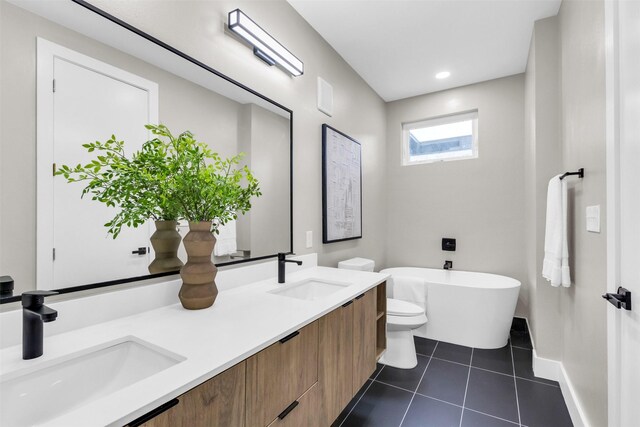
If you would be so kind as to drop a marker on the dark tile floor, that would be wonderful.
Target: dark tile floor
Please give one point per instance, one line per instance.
(462, 387)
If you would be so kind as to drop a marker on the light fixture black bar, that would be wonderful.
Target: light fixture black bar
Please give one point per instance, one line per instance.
(266, 58)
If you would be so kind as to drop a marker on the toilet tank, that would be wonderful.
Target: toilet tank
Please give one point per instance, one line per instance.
(362, 264)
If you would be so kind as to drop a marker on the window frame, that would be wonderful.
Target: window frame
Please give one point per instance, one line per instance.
(437, 121)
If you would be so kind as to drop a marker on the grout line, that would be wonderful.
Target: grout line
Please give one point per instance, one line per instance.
(466, 388)
(444, 401)
(537, 382)
(362, 395)
(493, 372)
(418, 386)
(474, 367)
(452, 361)
(439, 400)
(394, 386)
(493, 416)
(515, 384)
(466, 408)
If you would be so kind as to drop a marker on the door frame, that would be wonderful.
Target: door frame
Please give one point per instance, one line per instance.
(612, 135)
(46, 53)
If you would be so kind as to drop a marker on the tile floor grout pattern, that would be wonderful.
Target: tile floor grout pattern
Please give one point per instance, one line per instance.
(459, 387)
(466, 387)
(421, 378)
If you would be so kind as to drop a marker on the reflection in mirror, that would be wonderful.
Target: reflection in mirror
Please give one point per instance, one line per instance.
(92, 79)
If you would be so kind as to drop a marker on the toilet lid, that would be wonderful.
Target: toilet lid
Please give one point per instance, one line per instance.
(396, 307)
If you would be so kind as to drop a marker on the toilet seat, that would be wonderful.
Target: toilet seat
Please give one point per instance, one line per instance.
(403, 315)
(396, 307)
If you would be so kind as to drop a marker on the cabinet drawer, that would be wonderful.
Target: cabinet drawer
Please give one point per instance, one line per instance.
(305, 413)
(280, 374)
(217, 402)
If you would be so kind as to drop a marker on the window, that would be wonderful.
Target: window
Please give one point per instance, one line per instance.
(440, 139)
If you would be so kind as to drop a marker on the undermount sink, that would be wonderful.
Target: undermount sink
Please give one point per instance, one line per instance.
(310, 289)
(33, 397)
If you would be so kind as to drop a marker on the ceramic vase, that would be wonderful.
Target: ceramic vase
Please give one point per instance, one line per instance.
(198, 289)
(165, 241)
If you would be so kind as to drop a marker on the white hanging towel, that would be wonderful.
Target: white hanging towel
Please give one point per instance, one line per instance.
(555, 267)
(226, 239)
(411, 289)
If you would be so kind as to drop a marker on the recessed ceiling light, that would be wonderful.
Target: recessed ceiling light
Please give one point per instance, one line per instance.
(443, 75)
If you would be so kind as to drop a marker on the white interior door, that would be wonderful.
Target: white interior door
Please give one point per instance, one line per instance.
(90, 101)
(623, 175)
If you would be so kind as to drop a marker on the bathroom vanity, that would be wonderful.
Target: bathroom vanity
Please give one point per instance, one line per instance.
(304, 379)
(265, 354)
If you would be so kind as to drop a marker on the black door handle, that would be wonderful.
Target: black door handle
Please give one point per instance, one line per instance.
(140, 251)
(620, 300)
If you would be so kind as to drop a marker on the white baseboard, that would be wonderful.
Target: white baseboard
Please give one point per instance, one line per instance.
(546, 368)
(570, 398)
(554, 370)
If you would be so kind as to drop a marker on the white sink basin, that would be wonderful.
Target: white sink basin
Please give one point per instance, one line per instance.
(31, 397)
(310, 289)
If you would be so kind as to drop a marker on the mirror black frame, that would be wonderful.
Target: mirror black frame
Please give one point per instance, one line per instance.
(200, 64)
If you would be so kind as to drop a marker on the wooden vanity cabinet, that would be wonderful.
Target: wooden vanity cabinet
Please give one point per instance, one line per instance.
(279, 375)
(347, 353)
(364, 338)
(217, 402)
(305, 379)
(335, 362)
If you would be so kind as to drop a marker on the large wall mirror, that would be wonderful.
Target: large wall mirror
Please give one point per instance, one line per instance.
(72, 74)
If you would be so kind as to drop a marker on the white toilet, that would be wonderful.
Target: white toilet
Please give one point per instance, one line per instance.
(402, 318)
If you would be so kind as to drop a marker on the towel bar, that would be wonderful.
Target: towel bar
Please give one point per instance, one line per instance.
(580, 174)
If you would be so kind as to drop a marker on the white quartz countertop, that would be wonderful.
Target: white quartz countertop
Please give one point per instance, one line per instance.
(242, 322)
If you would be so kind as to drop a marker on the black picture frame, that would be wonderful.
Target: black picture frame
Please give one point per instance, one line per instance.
(338, 147)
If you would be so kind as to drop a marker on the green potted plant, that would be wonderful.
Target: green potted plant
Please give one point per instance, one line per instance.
(171, 178)
(137, 186)
(209, 192)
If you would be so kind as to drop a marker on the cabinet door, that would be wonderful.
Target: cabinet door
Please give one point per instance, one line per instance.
(280, 374)
(335, 362)
(305, 413)
(364, 338)
(217, 402)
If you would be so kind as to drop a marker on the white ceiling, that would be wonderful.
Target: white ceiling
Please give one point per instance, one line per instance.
(398, 46)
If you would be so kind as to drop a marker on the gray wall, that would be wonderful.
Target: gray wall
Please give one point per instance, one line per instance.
(480, 202)
(358, 111)
(566, 80)
(543, 160)
(583, 145)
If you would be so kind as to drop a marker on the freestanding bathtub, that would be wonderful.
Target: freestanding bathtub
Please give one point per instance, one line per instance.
(463, 307)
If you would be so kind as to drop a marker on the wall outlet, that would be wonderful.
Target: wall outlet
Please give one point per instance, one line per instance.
(309, 239)
(593, 218)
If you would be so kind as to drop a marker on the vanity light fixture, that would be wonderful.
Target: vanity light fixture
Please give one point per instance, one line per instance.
(443, 75)
(265, 47)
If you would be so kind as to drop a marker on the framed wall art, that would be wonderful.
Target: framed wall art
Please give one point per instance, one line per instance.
(341, 186)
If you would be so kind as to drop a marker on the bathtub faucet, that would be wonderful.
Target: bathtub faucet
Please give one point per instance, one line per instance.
(448, 265)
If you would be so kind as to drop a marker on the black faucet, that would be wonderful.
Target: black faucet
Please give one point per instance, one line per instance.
(281, 261)
(448, 265)
(34, 314)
